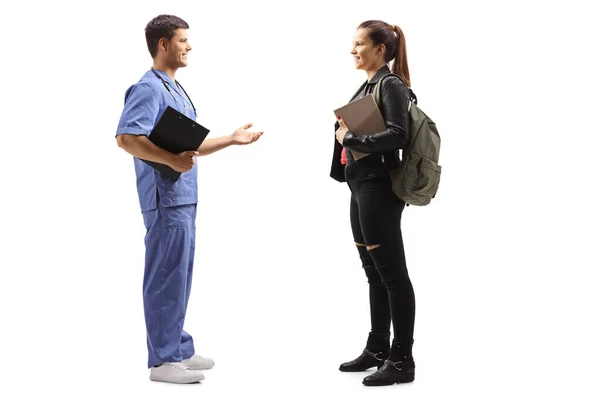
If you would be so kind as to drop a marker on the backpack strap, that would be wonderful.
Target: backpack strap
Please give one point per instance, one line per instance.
(412, 99)
(413, 96)
(377, 91)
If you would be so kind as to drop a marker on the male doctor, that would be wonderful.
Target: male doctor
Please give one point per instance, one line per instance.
(168, 207)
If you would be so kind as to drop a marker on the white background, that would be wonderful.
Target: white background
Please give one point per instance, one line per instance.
(504, 260)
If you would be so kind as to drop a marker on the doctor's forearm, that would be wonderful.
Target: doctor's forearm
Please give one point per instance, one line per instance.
(215, 144)
(142, 147)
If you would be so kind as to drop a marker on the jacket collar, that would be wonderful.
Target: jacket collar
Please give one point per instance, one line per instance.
(383, 71)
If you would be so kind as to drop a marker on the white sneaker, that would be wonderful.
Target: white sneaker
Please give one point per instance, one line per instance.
(196, 362)
(175, 372)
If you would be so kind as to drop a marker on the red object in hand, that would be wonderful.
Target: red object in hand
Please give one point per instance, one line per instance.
(344, 158)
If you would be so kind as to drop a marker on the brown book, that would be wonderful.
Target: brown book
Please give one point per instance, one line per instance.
(362, 117)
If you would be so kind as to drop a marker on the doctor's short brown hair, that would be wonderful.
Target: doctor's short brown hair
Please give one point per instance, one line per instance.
(163, 26)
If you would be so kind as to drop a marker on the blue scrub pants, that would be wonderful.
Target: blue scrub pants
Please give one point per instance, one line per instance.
(170, 242)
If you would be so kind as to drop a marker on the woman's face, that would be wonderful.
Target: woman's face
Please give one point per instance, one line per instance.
(366, 55)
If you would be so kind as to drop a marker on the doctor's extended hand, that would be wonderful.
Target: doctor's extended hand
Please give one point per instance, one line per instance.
(184, 161)
(242, 136)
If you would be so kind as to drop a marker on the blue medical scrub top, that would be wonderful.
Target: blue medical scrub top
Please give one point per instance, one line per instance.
(145, 102)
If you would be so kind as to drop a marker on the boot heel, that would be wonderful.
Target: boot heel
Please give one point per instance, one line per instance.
(406, 378)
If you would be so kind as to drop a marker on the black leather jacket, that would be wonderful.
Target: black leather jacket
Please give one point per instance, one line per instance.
(384, 145)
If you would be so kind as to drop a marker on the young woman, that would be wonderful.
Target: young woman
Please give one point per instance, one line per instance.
(375, 211)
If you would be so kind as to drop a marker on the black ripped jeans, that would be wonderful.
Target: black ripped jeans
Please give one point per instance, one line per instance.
(375, 214)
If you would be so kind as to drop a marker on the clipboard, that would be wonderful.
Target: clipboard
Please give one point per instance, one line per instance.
(175, 132)
(362, 117)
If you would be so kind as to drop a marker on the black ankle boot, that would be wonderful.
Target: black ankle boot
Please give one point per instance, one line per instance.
(377, 350)
(399, 368)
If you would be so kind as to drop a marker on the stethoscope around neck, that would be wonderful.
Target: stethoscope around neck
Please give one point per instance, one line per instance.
(171, 93)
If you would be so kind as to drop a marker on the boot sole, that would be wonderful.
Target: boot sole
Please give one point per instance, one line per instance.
(405, 379)
(359, 369)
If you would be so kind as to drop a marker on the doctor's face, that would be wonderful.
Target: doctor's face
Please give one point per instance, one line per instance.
(178, 49)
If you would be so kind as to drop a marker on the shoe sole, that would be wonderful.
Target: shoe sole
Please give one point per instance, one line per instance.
(199, 368)
(190, 379)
